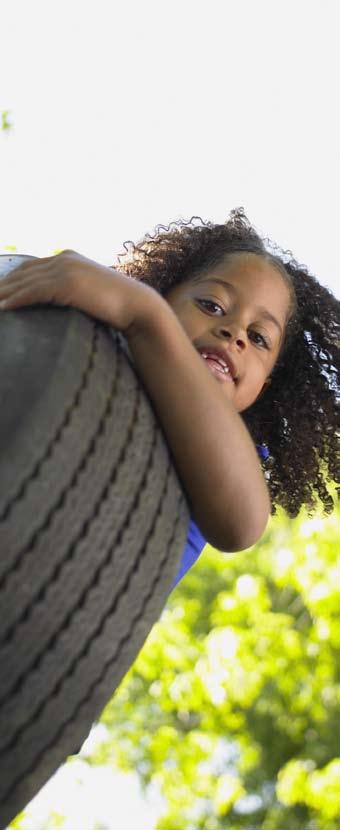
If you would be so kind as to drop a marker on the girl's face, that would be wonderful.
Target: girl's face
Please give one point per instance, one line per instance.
(244, 315)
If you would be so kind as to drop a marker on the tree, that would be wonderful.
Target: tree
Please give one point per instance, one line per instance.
(5, 123)
(232, 705)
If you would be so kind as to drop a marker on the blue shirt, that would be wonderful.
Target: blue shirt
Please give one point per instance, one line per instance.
(194, 546)
(195, 541)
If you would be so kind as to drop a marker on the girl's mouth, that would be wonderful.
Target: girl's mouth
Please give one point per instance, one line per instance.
(222, 373)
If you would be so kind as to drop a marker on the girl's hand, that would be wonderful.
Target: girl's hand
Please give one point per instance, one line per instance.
(70, 279)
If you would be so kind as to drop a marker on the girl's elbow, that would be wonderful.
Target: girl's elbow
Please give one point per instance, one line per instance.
(247, 540)
(243, 536)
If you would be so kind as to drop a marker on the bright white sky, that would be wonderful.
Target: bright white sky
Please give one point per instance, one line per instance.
(131, 114)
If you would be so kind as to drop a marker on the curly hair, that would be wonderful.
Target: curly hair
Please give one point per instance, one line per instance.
(297, 416)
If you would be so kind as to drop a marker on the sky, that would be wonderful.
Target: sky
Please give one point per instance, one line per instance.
(126, 115)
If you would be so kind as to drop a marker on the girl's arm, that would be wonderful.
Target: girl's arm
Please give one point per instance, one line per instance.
(213, 452)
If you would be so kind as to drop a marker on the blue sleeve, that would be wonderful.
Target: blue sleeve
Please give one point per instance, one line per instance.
(195, 541)
(194, 546)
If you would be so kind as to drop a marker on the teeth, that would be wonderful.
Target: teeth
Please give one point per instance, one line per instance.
(223, 365)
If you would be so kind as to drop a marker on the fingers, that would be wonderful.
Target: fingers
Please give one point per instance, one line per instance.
(26, 281)
(28, 294)
(12, 285)
(37, 264)
(45, 280)
(29, 267)
(16, 281)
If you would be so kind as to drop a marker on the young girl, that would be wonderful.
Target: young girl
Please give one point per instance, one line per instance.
(237, 346)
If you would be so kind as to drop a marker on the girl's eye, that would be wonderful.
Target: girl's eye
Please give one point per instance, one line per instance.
(210, 302)
(265, 343)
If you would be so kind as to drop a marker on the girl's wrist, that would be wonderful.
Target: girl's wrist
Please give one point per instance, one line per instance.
(147, 311)
(111, 296)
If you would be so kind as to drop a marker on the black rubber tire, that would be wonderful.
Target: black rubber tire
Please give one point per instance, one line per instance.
(93, 523)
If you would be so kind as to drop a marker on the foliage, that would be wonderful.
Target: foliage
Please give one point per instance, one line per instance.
(5, 123)
(55, 821)
(232, 705)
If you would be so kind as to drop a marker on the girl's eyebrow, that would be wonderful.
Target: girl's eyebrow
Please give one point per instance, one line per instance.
(260, 309)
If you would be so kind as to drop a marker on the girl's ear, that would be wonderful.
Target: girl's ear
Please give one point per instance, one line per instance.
(264, 387)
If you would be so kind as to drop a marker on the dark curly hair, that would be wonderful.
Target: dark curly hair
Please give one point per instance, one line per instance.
(297, 416)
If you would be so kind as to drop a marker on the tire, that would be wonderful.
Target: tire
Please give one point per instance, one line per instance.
(93, 523)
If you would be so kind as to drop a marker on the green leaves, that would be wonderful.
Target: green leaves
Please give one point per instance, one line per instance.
(5, 123)
(232, 706)
(300, 782)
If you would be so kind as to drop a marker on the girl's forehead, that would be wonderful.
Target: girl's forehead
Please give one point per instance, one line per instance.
(250, 272)
(248, 265)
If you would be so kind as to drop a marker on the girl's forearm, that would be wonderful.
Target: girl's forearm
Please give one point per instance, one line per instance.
(213, 452)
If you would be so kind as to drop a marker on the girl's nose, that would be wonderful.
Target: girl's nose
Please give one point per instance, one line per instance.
(235, 333)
